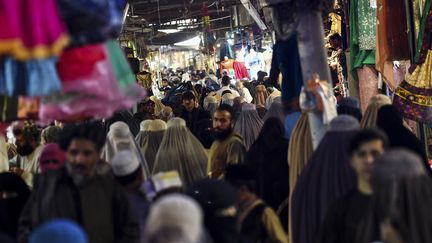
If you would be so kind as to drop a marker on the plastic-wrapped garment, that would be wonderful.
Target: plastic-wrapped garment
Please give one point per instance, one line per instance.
(109, 87)
(248, 125)
(91, 21)
(36, 77)
(180, 150)
(39, 35)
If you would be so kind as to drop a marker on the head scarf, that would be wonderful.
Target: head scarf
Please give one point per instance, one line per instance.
(390, 120)
(174, 218)
(120, 138)
(402, 195)
(158, 105)
(275, 96)
(327, 176)
(268, 157)
(248, 125)
(50, 134)
(166, 113)
(300, 149)
(350, 106)
(52, 157)
(228, 99)
(150, 139)
(180, 150)
(59, 231)
(261, 95)
(218, 199)
(370, 116)
(276, 110)
(210, 104)
(15, 193)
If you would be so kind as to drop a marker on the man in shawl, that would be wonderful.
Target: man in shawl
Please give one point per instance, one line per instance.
(84, 191)
(25, 163)
(346, 214)
(193, 115)
(228, 147)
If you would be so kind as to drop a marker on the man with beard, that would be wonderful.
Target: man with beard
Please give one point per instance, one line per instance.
(24, 164)
(228, 147)
(84, 191)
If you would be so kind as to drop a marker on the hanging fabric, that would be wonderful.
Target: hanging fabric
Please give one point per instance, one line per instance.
(91, 21)
(31, 29)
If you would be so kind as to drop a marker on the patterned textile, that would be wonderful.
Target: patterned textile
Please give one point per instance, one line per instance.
(414, 96)
(368, 85)
(366, 25)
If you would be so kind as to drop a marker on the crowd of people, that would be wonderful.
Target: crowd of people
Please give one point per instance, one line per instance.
(217, 160)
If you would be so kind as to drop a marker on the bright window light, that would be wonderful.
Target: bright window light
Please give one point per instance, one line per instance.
(169, 31)
(193, 42)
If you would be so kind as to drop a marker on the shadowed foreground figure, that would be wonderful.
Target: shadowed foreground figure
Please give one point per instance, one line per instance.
(402, 195)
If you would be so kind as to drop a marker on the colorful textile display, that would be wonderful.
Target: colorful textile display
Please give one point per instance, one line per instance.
(240, 70)
(31, 29)
(36, 77)
(413, 97)
(91, 21)
(108, 86)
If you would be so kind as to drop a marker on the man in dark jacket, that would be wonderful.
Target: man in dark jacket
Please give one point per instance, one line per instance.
(192, 114)
(83, 191)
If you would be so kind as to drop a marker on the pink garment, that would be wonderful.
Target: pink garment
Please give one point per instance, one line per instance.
(368, 85)
(88, 93)
(240, 70)
(52, 157)
(30, 23)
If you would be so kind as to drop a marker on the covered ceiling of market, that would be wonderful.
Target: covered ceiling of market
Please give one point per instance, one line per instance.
(153, 21)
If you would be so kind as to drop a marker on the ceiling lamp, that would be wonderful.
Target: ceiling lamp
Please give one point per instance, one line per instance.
(169, 31)
(193, 42)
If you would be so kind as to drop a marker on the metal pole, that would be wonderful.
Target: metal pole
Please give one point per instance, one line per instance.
(313, 58)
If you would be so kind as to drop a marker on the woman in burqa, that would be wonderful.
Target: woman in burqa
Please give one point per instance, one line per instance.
(14, 193)
(180, 150)
(327, 176)
(210, 104)
(390, 120)
(151, 139)
(401, 200)
(120, 138)
(276, 110)
(248, 125)
(268, 157)
(370, 115)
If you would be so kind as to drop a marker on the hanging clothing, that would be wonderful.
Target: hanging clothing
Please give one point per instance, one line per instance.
(286, 60)
(362, 23)
(180, 150)
(40, 35)
(326, 177)
(91, 21)
(248, 125)
(240, 70)
(413, 95)
(35, 77)
(368, 84)
(392, 38)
